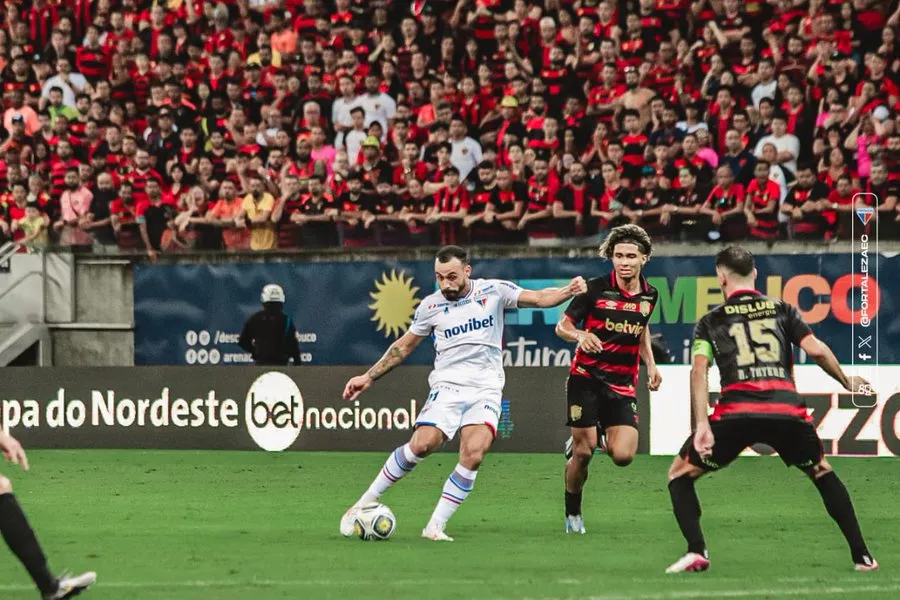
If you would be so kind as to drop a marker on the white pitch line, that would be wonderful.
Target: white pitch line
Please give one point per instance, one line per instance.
(749, 593)
(671, 595)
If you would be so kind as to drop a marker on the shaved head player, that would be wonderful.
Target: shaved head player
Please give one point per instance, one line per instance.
(751, 338)
(465, 319)
(20, 538)
(610, 324)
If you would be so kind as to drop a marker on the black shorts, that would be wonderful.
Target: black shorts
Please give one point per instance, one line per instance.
(592, 402)
(796, 441)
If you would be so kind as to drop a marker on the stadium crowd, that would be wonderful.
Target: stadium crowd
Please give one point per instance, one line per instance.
(131, 125)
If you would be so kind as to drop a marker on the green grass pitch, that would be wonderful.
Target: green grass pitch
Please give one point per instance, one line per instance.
(234, 525)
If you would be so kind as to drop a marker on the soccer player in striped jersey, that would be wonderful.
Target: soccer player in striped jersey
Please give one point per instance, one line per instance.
(610, 324)
(750, 337)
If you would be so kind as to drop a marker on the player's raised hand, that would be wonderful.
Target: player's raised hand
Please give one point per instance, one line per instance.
(654, 379)
(578, 286)
(356, 386)
(13, 451)
(590, 343)
(704, 440)
(859, 385)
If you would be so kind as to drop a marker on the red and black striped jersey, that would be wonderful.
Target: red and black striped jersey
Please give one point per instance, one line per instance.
(138, 181)
(58, 175)
(760, 197)
(504, 200)
(93, 63)
(634, 144)
(750, 338)
(41, 22)
(483, 25)
(539, 195)
(447, 200)
(723, 200)
(29, 87)
(618, 319)
(481, 197)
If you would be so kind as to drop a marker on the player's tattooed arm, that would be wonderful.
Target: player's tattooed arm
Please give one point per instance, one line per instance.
(395, 355)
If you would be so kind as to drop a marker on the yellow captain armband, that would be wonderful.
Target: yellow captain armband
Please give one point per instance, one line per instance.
(702, 348)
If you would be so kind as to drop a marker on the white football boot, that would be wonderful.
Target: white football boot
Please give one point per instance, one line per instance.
(348, 520)
(689, 563)
(70, 586)
(869, 564)
(435, 532)
(575, 524)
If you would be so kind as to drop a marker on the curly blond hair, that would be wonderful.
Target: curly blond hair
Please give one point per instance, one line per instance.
(628, 234)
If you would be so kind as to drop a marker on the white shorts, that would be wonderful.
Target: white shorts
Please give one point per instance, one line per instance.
(451, 407)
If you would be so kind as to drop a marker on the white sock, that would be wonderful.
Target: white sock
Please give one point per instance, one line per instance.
(399, 464)
(456, 490)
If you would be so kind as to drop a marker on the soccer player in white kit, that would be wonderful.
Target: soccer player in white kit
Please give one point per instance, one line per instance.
(465, 319)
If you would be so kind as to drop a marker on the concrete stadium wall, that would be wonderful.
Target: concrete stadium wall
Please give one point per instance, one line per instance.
(103, 331)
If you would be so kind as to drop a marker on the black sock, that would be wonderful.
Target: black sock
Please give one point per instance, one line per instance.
(573, 503)
(686, 506)
(21, 540)
(840, 507)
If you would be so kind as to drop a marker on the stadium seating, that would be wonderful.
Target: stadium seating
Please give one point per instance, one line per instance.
(139, 126)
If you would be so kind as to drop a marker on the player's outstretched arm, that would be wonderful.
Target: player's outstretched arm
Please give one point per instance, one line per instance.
(395, 355)
(552, 296)
(12, 450)
(825, 358)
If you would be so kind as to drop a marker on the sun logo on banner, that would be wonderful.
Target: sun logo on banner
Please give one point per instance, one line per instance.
(394, 303)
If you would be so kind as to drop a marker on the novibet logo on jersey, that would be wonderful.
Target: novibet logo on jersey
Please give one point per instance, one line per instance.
(274, 411)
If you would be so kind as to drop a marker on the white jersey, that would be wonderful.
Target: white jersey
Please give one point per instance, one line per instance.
(467, 333)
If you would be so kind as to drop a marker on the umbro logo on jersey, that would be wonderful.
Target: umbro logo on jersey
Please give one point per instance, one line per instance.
(469, 326)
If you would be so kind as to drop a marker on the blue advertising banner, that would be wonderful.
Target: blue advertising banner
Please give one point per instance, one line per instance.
(348, 313)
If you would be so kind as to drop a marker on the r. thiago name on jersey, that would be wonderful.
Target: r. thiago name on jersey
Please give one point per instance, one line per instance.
(757, 309)
(753, 336)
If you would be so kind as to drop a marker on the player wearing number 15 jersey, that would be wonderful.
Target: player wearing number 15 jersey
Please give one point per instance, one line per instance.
(751, 338)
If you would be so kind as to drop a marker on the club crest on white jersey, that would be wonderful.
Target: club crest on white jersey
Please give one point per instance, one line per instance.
(467, 333)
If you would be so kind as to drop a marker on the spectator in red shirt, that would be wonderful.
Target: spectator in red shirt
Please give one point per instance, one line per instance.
(804, 205)
(451, 205)
(841, 208)
(762, 205)
(647, 202)
(537, 220)
(725, 207)
(573, 202)
(608, 208)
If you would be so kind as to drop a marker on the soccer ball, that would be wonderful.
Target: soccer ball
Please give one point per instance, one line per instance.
(374, 522)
